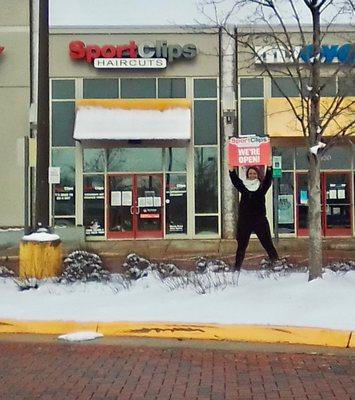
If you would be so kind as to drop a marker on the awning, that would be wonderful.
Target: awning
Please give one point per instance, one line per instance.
(138, 119)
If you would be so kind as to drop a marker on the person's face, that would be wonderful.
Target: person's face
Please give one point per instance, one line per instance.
(252, 174)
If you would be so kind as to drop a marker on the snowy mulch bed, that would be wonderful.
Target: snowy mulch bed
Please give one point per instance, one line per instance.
(271, 299)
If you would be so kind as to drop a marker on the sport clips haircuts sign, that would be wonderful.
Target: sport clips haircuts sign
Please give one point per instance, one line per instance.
(249, 150)
(131, 55)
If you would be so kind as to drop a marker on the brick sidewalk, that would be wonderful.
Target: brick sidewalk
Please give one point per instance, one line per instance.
(31, 371)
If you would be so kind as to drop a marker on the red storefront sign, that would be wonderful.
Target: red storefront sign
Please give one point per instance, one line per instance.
(249, 150)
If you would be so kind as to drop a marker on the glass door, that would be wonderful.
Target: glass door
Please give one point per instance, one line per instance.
(135, 207)
(336, 204)
(337, 219)
(149, 206)
(120, 209)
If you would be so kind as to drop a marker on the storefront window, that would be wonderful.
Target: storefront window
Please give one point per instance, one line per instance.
(94, 205)
(175, 159)
(286, 86)
(252, 87)
(205, 122)
(206, 181)
(206, 225)
(100, 88)
(139, 88)
(94, 160)
(252, 117)
(337, 158)
(301, 158)
(176, 204)
(287, 154)
(64, 222)
(135, 160)
(285, 205)
(346, 86)
(64, 193)
(205, 88)
(63, 116)
(63, 89)
(170, 88)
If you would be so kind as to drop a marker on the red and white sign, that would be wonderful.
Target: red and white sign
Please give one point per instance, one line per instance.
(249, 150)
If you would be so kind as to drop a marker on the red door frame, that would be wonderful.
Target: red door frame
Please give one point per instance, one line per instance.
(325, 231)
(135, 233)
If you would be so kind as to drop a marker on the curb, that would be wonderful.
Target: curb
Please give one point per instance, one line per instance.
(239, 333)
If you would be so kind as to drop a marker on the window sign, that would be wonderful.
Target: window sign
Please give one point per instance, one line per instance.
(54, 175)
(285, 209)
(94, 199)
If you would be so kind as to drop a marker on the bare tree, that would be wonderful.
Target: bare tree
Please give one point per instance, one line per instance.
(301, 50)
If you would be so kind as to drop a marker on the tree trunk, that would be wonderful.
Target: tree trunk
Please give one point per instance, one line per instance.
(314, 220)
(314, 209)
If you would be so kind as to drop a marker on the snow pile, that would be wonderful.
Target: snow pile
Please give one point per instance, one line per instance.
(80, 336)
(40, 237)
(83, 266)
(215, 265)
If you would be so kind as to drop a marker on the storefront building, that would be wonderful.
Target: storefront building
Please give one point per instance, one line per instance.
(264, 109)
(146, 159)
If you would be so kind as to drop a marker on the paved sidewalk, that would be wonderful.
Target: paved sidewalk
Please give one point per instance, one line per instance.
(55, 371)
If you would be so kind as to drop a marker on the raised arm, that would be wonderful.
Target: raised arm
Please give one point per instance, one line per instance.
(267, 180)
(237, 182)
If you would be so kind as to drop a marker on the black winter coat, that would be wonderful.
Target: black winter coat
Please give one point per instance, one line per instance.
(252, 204)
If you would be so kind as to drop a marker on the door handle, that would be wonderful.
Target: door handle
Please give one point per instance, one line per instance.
(131, 209)
(138, 210)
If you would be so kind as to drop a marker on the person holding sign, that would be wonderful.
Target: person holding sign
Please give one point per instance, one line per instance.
(252, 211)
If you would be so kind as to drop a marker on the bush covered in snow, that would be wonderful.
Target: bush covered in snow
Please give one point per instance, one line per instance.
(83, 266)
(5, 272)
(214, 265)
(137, 267)
(26, 283)
(342, 266)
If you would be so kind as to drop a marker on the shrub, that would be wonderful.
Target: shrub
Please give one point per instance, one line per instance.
(5, 272)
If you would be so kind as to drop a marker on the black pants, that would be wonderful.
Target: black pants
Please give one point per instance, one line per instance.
(245, 228)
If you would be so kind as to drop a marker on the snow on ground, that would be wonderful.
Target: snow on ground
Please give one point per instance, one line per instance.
(275, 300)
(80, 336)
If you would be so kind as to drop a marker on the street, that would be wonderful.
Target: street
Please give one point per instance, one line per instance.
(40, 367)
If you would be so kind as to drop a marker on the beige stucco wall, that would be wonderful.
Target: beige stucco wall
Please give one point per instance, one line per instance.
(206, 63)
(14, 105)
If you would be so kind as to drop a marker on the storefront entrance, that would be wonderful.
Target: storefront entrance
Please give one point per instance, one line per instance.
(135, 206)
(336, 204)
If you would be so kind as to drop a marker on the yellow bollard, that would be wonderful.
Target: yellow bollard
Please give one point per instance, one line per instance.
(40, 256)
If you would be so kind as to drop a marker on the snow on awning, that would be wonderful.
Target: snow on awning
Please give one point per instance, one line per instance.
(137, 119)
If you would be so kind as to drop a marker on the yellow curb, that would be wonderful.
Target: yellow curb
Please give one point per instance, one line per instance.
(45, 327)
(240, 333)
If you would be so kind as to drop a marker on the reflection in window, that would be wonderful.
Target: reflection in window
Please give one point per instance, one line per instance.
(206, 181)
(205, 88)
(176, 204)
(175, 159)
(337, 158)
(135, 160)
(205, 122)
(285, 206)
(63, 89)
(285, 87)
(252, 87)
(63, 116)
(252, 117)
(94, 160)
(287, 154)
(206, 225)
(94, 205)
(140, 88)
(64, 222)
(64, 193)
(170, 88)
(100, 88)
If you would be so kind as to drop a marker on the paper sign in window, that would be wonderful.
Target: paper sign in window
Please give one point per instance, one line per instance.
(149, 201)
(333, 194)
(157, 201)
(341, 194)
(141, 202)
(115, 198)
(126, 198)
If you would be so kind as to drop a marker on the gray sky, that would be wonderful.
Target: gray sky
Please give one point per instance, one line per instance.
(155, 12)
